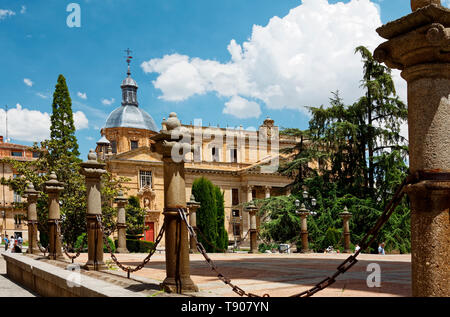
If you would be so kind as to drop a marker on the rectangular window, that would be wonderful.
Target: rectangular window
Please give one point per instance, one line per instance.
(235, 196)
(215, 154)
(36, 154)
(145, 178)
(134, 145)
(253, 194)
(235, 213)
(17, 198)
(233, 156)
(17, 153)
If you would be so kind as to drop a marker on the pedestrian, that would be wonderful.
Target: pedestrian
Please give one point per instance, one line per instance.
(12, 240)
(6, 242)
(20, 241)
(381, 248)
(17, 249)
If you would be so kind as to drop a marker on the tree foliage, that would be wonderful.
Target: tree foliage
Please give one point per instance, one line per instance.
(210, 215)
(354, 156)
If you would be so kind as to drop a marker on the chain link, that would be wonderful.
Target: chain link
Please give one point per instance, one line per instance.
(129, 269)
(213, 267)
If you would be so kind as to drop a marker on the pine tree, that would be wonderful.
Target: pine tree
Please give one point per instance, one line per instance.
(62, 129)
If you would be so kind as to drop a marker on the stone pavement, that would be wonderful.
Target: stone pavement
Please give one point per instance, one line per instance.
(282, 275)
(7, 287)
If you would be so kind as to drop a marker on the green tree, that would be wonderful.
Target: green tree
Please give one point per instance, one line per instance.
(222, 235)
(210, 222)
(135, 216)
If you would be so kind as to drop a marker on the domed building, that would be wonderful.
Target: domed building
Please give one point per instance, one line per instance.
(236, 160)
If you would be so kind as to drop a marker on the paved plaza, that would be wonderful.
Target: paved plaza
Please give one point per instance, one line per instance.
(7, 287)
(282, 275)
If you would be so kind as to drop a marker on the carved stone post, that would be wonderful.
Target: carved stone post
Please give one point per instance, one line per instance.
(93, 171)
(121, 202)
(345, 219)
(32, 196)
(53, 187)
(169, 143)
(253, 232)
(304, 213)
(419, 45)
(193, 206)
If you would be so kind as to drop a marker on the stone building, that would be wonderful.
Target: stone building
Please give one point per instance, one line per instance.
(242, 163)
(12, 213)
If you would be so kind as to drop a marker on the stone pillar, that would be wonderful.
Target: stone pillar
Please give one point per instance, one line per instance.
(345, 220)
(121, 202)
(192, 207)
(93, 171)
(267, 189)
(304, 213)
(419, 45)
(53, 187)
(32, 196)
(169, 143)
(245, 214)
(253, 231)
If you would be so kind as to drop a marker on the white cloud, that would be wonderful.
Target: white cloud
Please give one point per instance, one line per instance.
(28, 82)
(5, 13)
(446, 3)
(37, 124)
(23, 9)
(292, 62)
(82, 95)
(80, 120)
(43, 96)
(108, 102)
(242, 108)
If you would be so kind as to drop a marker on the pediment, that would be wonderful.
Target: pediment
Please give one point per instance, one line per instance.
(140, 154)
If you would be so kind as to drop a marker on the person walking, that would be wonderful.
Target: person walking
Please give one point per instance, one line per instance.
(12, 240)
(381, 248)
(6, 242)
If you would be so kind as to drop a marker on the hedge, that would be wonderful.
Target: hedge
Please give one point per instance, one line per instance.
(138, 246)
(85, 246)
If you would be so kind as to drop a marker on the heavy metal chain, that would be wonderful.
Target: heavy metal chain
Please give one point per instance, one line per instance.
(365, 243)
(129, 269)
(202, 250)
(64, 246)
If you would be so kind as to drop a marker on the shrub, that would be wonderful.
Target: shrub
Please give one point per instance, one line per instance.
(85, 245)
(138, 246)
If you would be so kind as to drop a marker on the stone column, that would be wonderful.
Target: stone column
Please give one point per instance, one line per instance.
(304, 213)
(93, 171)
(345, 220)
(419, 45)
(169, 143)
(267, 189)
(253, 231)
(121, 202)
(245, 215)
(53, 187)
(192, 207)
(32, 196)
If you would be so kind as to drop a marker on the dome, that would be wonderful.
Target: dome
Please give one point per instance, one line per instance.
(129, 116)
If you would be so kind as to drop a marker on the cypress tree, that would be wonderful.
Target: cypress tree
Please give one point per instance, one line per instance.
(222, 235)
(204, 192)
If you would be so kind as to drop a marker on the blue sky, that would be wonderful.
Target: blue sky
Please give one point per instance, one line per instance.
(172, 39)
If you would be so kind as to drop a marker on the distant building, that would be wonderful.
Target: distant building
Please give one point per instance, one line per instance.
(12, 215)
(233, 159)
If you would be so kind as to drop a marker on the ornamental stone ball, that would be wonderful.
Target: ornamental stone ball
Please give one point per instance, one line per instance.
(417, 4)
(172, 123)
(92, 156)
